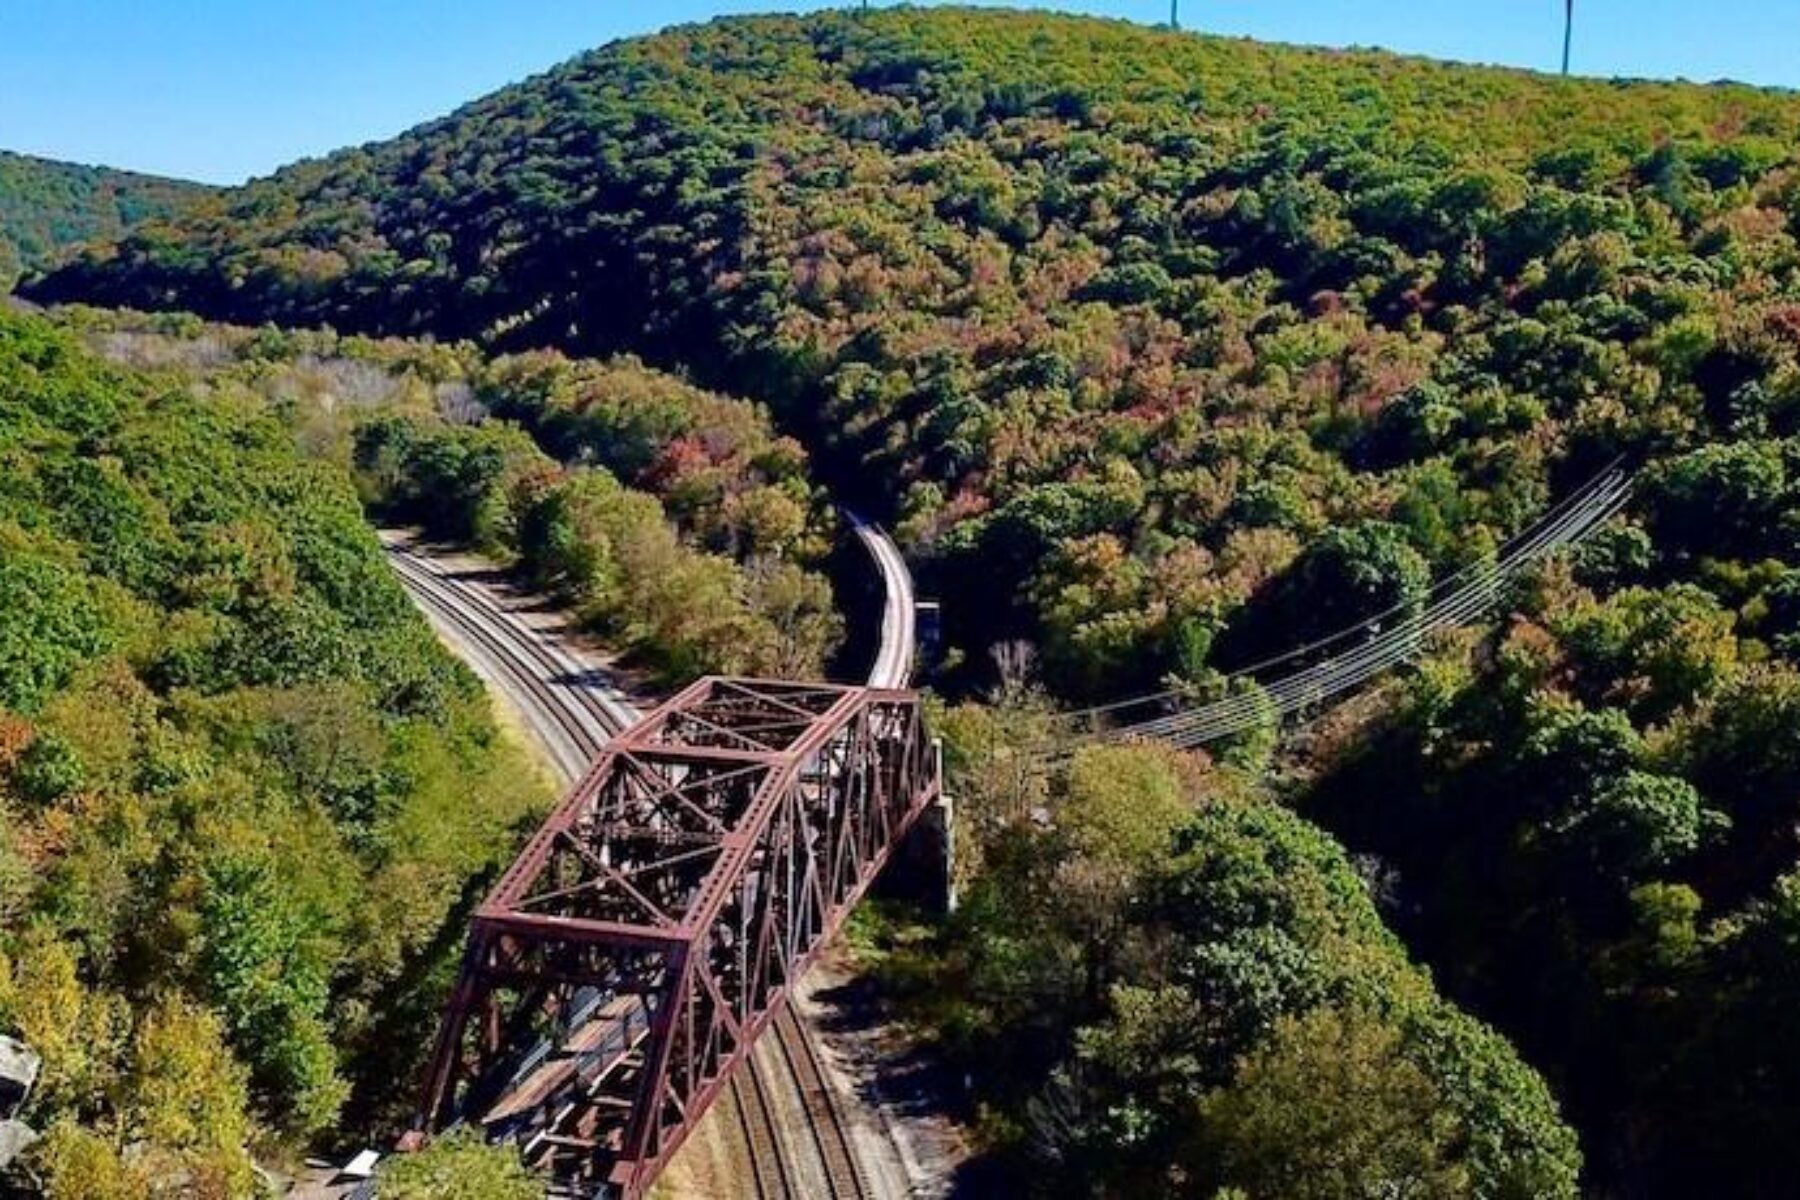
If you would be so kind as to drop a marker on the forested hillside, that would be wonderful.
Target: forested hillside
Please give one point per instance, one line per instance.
(245, 798)
(675, 521)
(1125, 316)
(243, 792)
(1164, 351)
(47, 207)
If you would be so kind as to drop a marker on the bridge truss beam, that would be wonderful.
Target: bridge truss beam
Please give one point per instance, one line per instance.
(659, 918)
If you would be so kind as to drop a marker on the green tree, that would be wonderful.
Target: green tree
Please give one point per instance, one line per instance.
(459, 1166)
(1347, 576)
(1638, 823)
(189, 1097)
(1122, 805)
(78, 1031)
(80, 1164)
(51, 622)
(1329, 1108)
(263, 958)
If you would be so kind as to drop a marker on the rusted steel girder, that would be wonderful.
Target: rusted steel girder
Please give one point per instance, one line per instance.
(658, 919)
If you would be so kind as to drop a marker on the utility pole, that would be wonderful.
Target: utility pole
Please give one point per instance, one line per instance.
(1568, 32)
(1174, 14)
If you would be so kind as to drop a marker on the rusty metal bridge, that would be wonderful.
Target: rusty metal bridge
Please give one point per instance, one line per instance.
(656, 923)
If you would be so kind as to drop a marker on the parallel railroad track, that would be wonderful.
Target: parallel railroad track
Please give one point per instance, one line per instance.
(576, 715)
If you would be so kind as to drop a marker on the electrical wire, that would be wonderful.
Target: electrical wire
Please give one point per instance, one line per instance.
(1471, 592)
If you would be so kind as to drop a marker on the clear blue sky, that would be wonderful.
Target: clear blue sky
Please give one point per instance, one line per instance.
(223, 89)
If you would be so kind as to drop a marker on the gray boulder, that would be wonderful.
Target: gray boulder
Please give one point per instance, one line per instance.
(16, 1137)
(19, 1066)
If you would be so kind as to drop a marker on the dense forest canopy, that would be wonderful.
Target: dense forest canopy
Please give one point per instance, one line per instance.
(675, 521)
(1125, 316)
(1164, 351)
(47, 208)
(242, 788)
(1165, 984)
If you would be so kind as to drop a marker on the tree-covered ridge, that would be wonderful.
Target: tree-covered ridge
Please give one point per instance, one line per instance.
(48, 207)
(243, 792)
(1120, 317)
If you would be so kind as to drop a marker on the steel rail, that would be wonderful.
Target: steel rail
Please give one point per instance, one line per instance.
(571, 740)
(611, 712)
(769, 1167)
(843, 1176)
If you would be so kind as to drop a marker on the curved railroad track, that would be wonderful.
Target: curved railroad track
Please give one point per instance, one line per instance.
(893, 663)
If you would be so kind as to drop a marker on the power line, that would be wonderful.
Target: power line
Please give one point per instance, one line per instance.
(1570, 503)
(1464, 596)
(1322, 681)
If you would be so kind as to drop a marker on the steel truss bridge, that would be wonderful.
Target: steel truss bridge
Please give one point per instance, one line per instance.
(656, 923)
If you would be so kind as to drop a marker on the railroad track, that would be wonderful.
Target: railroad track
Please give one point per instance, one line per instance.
(844, 1176)
(893, 663)
(471, 607)
(573, 719)
(770, 1170)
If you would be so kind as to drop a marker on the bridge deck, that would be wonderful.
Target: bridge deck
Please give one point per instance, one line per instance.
(597, 1048)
